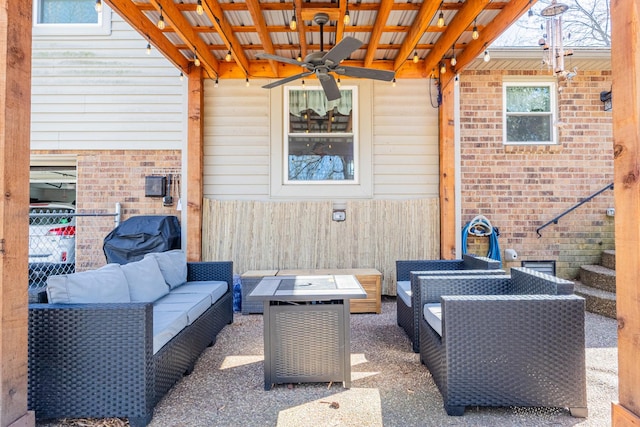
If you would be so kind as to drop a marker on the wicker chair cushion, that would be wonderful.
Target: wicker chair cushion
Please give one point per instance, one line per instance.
(191, 304)
(404, 291)
(105, 284)
(166, 325)
(432, 313)
(173, 265)
(215, 289)
(146, 282)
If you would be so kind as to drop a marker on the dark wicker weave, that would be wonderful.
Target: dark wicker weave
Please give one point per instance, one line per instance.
(407, 316)
(96, 360)
(499, 348)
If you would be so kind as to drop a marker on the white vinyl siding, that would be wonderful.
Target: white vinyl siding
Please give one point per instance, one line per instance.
(398, 124)
(104, 92)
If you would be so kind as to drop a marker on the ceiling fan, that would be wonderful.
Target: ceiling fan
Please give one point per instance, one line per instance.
(323, 63)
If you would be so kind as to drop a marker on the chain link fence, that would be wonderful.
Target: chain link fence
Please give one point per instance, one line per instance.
(63, 241)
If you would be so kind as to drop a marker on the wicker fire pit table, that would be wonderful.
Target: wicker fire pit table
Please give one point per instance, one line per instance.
(306, 328)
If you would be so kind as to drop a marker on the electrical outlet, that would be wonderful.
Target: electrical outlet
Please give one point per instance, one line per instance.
(611, 212)
(339, 215)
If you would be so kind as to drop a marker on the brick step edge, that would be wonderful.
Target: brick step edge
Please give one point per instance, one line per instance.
(608, 259)
(597, 301)
(597, 276)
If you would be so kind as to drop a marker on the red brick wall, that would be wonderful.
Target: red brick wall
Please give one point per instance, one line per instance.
(519, 188)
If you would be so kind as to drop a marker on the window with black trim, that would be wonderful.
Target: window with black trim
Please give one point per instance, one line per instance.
(320, 136)
(529, 113)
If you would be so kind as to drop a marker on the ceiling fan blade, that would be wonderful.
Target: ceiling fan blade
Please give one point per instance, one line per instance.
(280, 59)
(341, 51)
(367, 73)
(287, 80)
(330, 86)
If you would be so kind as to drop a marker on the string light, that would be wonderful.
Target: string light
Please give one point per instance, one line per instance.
(339, 83)
(227, 57)
(486, 56)
(299, 58)
(302, 83)
(161, 23)
(416, 58)
(293, 24)
(454, 61)
(196, 60)
(181, 76)
(216, 83)
(347, 18)
(443, 68)
(441, 17)
(148, 48)
(393, 82)
(98, 6)
(199, 8)
(246, 82)
(475, 33)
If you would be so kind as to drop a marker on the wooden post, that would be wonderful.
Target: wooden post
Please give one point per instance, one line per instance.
(625, 62)
(447, 173)
(15, 117)
(195, 154)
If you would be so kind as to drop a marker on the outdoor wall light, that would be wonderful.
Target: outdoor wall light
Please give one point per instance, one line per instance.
(605, 98)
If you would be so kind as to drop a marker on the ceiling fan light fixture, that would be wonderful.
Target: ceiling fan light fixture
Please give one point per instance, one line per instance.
(199, 8)
(227, 57)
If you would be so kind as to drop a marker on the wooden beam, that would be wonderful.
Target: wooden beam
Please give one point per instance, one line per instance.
(420, 24)
(625, 69)
(503, 20)
(216, 16)
(302, 28)
(446, 118)
(342, 7)
(263, 33)
(381, 22)
(195, 164)
(15, 116)
(184, 29)
(139, 22)
(457, 26)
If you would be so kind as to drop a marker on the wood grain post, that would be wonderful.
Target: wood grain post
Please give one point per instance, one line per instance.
(625, 62)
(195, 154)
(447, 173)
(15, 115)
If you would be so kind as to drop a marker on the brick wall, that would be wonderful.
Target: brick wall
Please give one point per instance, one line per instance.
(519, 188)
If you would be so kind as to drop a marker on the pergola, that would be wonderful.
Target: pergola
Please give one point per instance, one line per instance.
(393, 33)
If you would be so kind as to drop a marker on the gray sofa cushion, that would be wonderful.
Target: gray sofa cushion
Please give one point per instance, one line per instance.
(433, 315)
(403, 289)
(166, 325)
(191, 304)
(146, 282)
(107, 284)
(215, 289)
(173, 265)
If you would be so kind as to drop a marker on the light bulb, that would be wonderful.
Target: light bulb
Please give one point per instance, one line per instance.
(196, 61)
(98, 6)
(416, 58)
(299, 58)
(441, 20)
(486, 57)
(393, 82)
(227, 57)
(293, 24)
(246, 82)
(454, 61)
(181, 76)
(148, 48)
(530, 16)
(475, 33)
(347, 18)
(199, 8)
(216, 83)
(161, 23)
(456, 81)
(443, 68)
(302, 83)
(339, 83)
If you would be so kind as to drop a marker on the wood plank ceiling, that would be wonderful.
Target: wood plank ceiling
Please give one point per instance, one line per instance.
(393, 33)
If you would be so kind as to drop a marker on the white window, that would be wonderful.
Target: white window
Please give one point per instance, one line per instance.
(529, 113)
(320, 137)
(64, 17)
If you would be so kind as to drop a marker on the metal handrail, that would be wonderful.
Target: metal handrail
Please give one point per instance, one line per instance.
(577, 205)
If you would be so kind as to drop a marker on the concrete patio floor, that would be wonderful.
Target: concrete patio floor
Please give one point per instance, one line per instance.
(389, 385)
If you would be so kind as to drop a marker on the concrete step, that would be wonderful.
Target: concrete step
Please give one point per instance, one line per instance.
(597, 276)
(597, 301)
(608, 259)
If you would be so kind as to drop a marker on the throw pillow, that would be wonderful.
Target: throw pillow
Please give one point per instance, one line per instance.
(107, 284)
(146, 282)
(173, 265)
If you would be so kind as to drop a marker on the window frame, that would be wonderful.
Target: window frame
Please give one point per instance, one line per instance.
(102, 27)
(553, 106)
(353, 134)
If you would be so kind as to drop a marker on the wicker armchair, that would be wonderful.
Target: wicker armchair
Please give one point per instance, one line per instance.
(408, 292)
(514, 340)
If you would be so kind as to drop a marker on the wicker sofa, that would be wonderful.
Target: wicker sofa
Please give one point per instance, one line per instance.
(408, 291)
(515, 340)
(118, 359)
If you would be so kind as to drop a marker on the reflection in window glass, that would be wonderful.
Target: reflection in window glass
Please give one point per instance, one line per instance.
(320, 138)
(67, 12)
(529, 113)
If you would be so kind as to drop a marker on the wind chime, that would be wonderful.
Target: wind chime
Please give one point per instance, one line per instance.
(552, 43)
